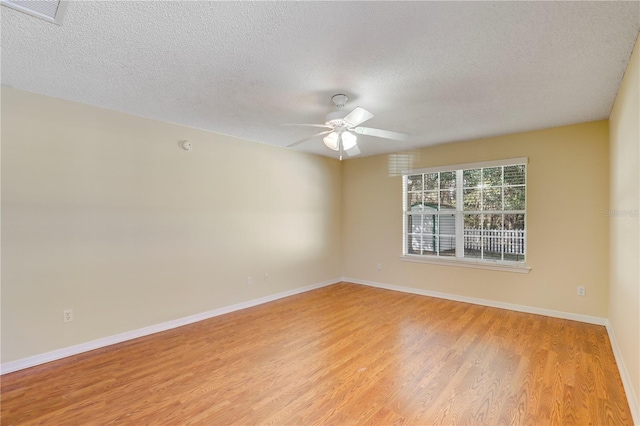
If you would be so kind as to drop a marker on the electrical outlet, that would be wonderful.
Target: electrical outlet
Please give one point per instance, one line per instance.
(249, 281)
(266, 277)
(379, 266)
(67, 315)
(581, 291)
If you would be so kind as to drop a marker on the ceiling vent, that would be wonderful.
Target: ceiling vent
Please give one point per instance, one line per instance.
(49, 10)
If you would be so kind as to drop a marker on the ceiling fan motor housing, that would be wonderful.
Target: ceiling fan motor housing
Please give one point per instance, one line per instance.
(335, 118)
(340, 100)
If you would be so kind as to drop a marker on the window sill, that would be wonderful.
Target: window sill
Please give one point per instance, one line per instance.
(463, 263)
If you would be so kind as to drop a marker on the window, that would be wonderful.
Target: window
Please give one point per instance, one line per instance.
(472, 213)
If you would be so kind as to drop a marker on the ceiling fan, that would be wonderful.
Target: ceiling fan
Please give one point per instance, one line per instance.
(343, 127)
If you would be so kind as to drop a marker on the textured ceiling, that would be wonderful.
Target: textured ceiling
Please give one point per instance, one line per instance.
(440, 71)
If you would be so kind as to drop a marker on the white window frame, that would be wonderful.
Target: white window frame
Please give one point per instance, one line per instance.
(459, 260)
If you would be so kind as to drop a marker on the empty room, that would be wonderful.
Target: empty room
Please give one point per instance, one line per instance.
(311, 213)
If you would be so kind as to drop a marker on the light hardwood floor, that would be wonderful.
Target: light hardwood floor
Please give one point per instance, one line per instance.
(344, 354)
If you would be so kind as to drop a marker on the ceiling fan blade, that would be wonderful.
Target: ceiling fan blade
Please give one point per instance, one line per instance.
(324, 126)
(387, 134)
(310, 137)
(357, 116)
(353, 151)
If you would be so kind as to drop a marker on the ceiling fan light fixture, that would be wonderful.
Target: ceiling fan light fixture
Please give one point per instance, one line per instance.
(331, 141)
(348, 140)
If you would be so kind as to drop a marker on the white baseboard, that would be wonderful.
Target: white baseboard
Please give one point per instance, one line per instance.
(624, 375)
(502, 305)
(32, 361)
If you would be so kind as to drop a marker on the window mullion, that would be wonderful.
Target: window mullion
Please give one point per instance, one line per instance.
(501, 245)
(459, 215)
(405, 216)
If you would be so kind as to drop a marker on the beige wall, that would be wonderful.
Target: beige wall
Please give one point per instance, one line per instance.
(624, 286)
(104, 214)
(567, 228)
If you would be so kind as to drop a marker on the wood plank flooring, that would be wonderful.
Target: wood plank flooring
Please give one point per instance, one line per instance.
(340, 355)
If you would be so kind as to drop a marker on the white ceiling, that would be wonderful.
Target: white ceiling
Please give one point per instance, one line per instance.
(440, 71)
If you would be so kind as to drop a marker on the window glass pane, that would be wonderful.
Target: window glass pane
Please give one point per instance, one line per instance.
(428, 224)
(513, 257)
(471, 177)
(514, 198)
(473, 221)
(414, 201)
(492, 199)
(414, 183)
(492, 236)
(514, 221)
(446, 224)
(492, 176)
(414, 224)
(492, 222)
(445, 245)
(429, 244)
(431, 200)
(491, 249)
(431, 181)
(472, 253)
(471, 199)
(472, 235)
(514, 237)
(514, 175)
(414, 244)
(448, 245)
(448, 199)
(447, 180)
(432, 234)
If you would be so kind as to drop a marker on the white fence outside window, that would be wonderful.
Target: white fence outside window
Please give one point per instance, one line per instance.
(507, 241)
